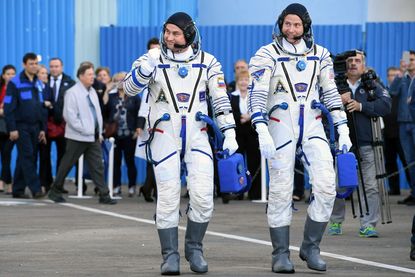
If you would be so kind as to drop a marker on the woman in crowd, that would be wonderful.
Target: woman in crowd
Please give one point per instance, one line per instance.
(6, 145)
(123, 112)
(245, 135)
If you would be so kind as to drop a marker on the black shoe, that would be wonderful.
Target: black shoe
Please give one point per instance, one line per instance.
(56, 197)
(146, 196)
(408, 199)
(225, 198)
(21, 196)
(107, 200)
(38, 195)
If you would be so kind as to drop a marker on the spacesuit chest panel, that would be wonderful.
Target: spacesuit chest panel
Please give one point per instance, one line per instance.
(181, 85)
(294, 81)
(294, 77)
(294, 84)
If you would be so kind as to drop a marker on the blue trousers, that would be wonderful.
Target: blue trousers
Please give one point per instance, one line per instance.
(25, 173)
(407, 137)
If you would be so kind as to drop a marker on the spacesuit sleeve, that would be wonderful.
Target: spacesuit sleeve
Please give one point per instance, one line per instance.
(220, 101)
(144, 108)
(136, 80)
(330, 95)
(261, 67)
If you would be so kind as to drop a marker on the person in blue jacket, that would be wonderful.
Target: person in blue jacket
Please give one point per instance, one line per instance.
(25, 118)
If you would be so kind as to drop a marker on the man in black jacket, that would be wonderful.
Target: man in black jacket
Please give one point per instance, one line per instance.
(367, 100)
(59, 83)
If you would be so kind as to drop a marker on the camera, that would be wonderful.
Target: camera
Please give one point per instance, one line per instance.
(368, 80)
(340, 70)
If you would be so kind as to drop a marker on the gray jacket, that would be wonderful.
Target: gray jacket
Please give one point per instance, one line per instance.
(80, 125)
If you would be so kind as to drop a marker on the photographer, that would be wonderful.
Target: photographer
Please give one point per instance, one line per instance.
(365, 99)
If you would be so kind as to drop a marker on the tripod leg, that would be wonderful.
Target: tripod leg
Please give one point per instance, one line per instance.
(352, 205)
(359, 202)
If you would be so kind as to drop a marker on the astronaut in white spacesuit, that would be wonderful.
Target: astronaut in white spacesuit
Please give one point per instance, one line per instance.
(286, 78)
(178, 80)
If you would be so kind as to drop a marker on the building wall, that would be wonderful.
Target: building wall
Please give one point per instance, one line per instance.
(391, 11)
(243, 12)
(90, 15)
(45, 27)
(152, 13)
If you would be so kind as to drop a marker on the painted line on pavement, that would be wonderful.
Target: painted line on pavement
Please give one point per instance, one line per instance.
(246, 239)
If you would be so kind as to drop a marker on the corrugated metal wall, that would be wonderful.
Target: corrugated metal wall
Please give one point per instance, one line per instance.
(152, 13)
(385, 43)
(120, 46)
(45, 27)
(339, 38)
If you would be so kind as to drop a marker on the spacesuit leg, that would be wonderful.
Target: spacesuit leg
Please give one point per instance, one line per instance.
(281, 173)
(322, 179)
(167, 176)
(279, 212)
(200, 186)
(167, 213)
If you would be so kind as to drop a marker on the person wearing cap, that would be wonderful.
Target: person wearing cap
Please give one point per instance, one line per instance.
(287, 75)
(177, 81)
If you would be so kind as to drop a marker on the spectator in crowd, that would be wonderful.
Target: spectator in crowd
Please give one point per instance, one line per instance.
(100, 89)
(116, 79)
(153, 43)
(284, 87)
(149, 186)
(400, 88)
(123, 111)
(6, 145)
(23, 106)
(239, 65)
(245, 135)
(57, 83)
(361, 106)
(42, 75)
(103, 74)
(83, 133)
(180, 49)
(393, 147)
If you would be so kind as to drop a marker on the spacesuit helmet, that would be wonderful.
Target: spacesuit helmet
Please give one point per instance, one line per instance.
(303, 14)
(190, 32)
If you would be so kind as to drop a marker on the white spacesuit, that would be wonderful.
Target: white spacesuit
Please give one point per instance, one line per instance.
(287, 72)
(180, 83)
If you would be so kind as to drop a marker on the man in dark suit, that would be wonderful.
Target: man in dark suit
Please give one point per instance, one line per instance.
(59, 83)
